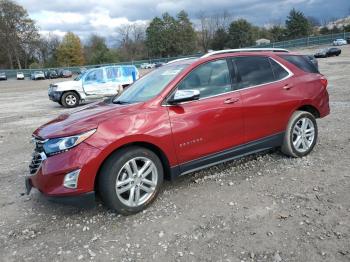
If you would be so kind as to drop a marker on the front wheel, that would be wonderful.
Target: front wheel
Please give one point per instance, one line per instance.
(70, 99)
(130, 180)
(301, 134)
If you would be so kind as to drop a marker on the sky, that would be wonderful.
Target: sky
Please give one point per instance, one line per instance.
(104, 16)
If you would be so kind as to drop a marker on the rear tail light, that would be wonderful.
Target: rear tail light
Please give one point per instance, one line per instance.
(324, 82)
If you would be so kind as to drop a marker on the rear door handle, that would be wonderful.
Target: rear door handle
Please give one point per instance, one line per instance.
(231, 100)
(288, 87)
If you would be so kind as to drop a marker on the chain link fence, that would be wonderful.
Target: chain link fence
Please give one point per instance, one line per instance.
(307, 41)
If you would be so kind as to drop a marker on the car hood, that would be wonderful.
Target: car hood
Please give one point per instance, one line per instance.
(83, 120)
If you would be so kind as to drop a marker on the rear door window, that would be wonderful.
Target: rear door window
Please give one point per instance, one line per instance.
(112, 73)
(253, 71)
(301, 62)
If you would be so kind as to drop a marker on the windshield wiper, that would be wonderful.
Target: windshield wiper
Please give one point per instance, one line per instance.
(120, 102)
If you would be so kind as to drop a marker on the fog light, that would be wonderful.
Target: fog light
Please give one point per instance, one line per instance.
(71, 179)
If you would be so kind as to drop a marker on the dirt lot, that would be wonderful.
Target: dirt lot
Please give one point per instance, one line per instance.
(262, 208)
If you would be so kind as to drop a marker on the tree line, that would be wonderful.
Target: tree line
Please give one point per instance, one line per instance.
(165, 36)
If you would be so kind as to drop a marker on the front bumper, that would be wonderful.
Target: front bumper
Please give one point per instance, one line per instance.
(55, 96)
(49, 177)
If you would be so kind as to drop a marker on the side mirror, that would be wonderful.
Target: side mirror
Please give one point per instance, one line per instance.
(184, 96)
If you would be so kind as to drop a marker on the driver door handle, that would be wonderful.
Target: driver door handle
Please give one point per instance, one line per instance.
(288, 87)
(231, 100)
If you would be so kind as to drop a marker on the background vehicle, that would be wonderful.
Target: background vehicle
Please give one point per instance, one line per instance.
(66, 74)
(20, 76)
(37, 75)
(348, 40)
(93, 84)
(178, 119)
(147, 66)
(3, 76)
(159, 64)
(339, 42)
(53, 74)
(327, 52)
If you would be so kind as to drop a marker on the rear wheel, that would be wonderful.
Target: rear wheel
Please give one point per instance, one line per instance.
(301, 134)
(130, 180)
(70, 99)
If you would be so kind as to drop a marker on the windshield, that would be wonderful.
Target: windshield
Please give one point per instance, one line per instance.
(79, 77)
(150, 85)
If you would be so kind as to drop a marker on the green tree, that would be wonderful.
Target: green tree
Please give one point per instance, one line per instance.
(186, 36)
(70, 51)
(97, 52)
(324, 30)
(240, 34)
(169, 36)
(297, 24)
(19, 35)
(155, 38)
(347, 27)
(220, 39)
(278, 33)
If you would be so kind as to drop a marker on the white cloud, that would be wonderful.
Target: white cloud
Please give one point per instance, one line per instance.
(104, 16)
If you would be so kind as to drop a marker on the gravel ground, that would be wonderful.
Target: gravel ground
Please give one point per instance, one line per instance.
(265, 207)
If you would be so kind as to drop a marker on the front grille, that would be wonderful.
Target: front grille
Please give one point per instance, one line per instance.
(38, 155)
(37, 159)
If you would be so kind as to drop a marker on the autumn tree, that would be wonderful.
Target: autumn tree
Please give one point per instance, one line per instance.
(70, 51)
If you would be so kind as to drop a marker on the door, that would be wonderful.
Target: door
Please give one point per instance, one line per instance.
(113, 85)
(214, 122)
(267, 94)
(94, 83)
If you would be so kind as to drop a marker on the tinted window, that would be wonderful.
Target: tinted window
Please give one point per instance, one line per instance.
(253, 71)
(210, 79)
(301, 62)
(278, 71)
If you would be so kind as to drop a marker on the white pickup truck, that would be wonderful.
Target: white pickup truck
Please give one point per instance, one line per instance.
(93, 84)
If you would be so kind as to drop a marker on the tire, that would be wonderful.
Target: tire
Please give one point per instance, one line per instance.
(299, 140)
(115, 169)
(70, 99)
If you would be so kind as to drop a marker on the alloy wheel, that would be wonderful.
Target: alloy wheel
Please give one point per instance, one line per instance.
(303, 134)
(136, 181)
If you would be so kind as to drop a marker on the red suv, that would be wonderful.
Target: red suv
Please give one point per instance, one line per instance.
(182, 117)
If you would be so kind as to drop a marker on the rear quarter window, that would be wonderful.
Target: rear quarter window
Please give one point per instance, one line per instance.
(278, 71)
(301, 62)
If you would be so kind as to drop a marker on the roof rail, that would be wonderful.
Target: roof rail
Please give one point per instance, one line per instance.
(180, 59)
(245, 50)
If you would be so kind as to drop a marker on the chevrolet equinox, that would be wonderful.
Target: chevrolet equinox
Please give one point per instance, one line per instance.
(179, 118)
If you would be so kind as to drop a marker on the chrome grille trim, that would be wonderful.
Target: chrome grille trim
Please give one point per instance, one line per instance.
(38, 156)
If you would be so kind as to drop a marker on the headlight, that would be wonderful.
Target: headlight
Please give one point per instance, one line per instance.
(57, 145)
(53, 87)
